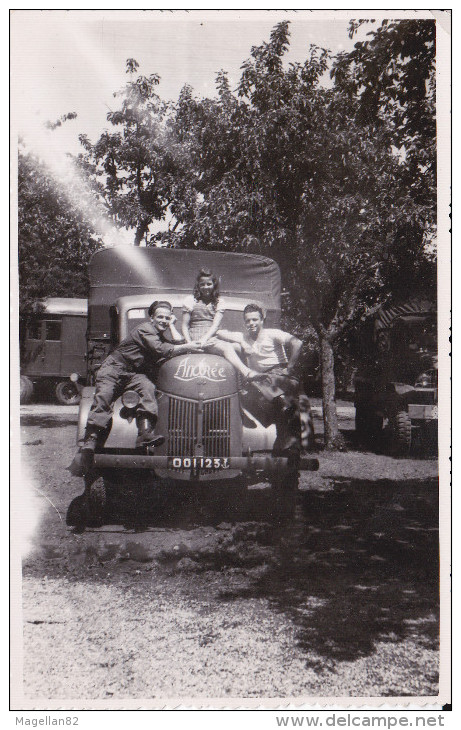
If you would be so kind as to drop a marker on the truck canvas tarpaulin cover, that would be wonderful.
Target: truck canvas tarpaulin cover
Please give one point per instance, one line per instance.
(386, 317)
(129, 270)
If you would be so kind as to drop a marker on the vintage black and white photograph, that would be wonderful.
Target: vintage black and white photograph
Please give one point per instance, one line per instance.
(231, 287)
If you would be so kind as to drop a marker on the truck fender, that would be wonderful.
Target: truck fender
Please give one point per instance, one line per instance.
(83, 411)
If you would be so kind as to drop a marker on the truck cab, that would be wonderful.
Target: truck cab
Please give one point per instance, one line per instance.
(210, 436)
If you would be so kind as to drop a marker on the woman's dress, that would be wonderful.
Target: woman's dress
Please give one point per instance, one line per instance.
(201, 316)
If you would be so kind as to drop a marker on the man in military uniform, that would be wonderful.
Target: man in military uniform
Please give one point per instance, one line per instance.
(147, 346)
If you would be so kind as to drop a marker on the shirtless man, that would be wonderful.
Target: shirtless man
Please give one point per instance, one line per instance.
(274, 353)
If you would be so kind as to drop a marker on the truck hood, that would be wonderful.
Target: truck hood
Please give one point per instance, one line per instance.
(198, 375)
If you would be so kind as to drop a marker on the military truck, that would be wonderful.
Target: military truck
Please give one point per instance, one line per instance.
(211, 437)
(53, 350)
(396, 388)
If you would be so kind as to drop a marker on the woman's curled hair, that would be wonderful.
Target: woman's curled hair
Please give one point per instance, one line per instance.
(209, 275)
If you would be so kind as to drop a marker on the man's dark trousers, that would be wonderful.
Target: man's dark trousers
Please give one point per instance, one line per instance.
(277, 401)
(113, 378)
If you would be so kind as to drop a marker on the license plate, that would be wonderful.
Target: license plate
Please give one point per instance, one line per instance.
(198, 462)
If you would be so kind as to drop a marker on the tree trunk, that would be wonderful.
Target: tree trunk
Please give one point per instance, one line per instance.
(140, 233)
(333, 438)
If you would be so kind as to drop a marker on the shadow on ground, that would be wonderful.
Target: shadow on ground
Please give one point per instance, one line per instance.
(45, 421)
(424, 445)
(142, 506)
(352, 565)
(359, 565)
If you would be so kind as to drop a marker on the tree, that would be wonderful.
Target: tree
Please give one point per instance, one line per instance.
(290, 169)
(55, 241)
(392, 77)
(131, 169)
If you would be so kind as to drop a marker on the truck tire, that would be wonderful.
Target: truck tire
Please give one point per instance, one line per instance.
(77, 513)
(67, 393)
(307, 424)
(368, 427)
(96, 498)
(401, 433)
(26, 390)
(284, 492)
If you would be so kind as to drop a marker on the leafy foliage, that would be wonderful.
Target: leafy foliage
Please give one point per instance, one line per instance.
(59, 122)
(132, 168)
(55, 242)
(296, 171)
(392, 77)
(291, 172)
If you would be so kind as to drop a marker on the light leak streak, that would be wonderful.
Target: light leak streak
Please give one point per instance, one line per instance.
(27, 509)
(39, 141)
(45, 143)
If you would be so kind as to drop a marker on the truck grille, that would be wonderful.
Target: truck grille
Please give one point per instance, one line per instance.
(216, 427)
(186, 424)
(182, 427)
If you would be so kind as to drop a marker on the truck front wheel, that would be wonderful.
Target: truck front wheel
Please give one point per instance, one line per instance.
(96, 498)
(67, 393)
(401, 433)
(89, 509)
(26, 390)
(284, 490)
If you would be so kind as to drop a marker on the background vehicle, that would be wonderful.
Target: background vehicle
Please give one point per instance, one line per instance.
(210, 436)
(53, 352)
(396, 386)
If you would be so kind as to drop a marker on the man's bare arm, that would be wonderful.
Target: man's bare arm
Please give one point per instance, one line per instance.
(294, 347)
(175, 336)
(185, 326)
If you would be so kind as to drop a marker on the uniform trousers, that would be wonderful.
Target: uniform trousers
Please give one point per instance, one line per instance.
(113, 378)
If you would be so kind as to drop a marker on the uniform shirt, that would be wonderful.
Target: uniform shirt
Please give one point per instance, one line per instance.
(268, 350)
(144, 347)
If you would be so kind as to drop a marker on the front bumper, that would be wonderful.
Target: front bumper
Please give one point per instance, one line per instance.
(245, 464)
(420, 412)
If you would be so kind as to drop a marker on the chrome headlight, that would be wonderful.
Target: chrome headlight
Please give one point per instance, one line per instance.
(425, 380)
(130, 399)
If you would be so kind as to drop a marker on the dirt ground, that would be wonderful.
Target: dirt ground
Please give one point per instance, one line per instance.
(216, 594)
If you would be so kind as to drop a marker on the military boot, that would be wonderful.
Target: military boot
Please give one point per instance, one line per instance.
(146, 432)
(88, 449)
